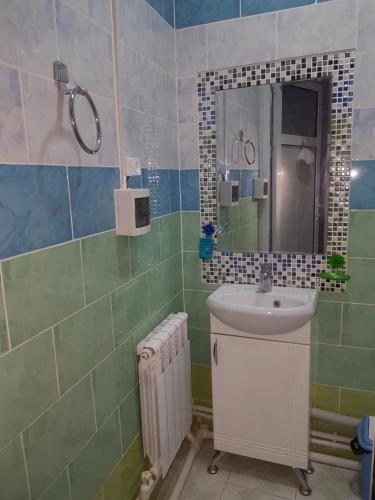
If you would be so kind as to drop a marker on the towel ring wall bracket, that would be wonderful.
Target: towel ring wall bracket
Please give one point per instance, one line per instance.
(60, 73)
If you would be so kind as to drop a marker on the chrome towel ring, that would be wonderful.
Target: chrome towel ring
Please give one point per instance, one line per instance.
(60, 72)
(251, 144)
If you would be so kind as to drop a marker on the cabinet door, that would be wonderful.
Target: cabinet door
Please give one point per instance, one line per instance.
(261, 398)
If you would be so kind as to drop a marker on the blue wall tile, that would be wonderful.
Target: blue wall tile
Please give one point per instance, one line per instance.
(34, 208)
(193, 12)
(91, 193)
(252, 7)
(165, 8)
(157, 181)
(174, 183)
(246, 183)
(362, 186)
(190, 190)
(135, 181)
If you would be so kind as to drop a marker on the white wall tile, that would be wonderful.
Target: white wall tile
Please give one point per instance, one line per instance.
(163, 43)
(86, 49)
(319, 28)
(366, 23)
(134, 25)
(364, 87)
(191, 51)
(27, 35)
(12, 132)
(108, 152)
(49, 134)
(188, 139)
(97, 10)
(187, 100)
(364, 134)
(241, 41)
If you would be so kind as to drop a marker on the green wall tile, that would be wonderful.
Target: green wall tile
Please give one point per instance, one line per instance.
(191, 230)
(28, 385)
(145, 249)
(201, 385)
(99, 495)
(358, 325)
(130, 418)
(344, 367)
(170, 232)
(146, 326)
(82, 341)
(55, 438)
(361, 236)
(90, 468)
(361, 287)
(13, 485)
(327, 323)
(192, 273)
(357, 403)
(59, 490)
(106, 263)
(165, 282)
(196, 307)
(175, 305)
(130, 305)
(326, 397)
(113, 379)
(200, 346)
(3, 327)
(124, 481)
(41, 289)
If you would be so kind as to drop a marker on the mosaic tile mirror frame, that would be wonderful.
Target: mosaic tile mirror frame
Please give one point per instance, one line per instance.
(288, 269)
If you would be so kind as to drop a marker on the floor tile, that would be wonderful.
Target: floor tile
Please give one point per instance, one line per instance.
(333, 483)
(202, 488)
(263, 477)
(238, 493)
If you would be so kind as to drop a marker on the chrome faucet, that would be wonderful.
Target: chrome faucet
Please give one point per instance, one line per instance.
(265, 284)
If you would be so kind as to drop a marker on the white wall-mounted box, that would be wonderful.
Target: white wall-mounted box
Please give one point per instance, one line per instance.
(229, 192)
(132, 209)
(261, 188)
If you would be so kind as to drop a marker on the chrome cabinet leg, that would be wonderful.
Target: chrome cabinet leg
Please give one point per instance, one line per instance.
(213, 468)
(310, 469)
(304, 488)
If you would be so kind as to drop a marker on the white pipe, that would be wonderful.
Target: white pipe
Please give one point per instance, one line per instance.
(330, 444)
(334, 418)
(203, 409)
(336, 461)
(149, 480)
(195, 445)
(336, 438)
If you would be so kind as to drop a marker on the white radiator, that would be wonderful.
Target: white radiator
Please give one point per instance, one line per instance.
(165, 387)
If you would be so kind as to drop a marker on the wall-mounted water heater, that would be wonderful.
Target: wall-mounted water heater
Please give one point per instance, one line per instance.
(229, 192)
(132, 206)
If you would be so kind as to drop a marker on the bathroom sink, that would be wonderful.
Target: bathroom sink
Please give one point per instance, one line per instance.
(280, 311)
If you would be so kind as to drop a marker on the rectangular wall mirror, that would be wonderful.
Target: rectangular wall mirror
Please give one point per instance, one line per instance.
(273, 145)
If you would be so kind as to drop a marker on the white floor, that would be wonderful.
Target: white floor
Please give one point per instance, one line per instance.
(242, 478)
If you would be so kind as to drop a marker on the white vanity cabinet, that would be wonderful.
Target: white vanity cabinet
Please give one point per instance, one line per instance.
(261, 388)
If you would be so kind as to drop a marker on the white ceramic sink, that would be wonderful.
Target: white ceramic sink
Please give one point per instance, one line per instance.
(280, 311)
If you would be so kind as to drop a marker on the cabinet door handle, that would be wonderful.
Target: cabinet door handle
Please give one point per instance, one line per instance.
(215, 352)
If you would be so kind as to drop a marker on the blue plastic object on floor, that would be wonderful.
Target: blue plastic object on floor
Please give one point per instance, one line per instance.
(367, 449)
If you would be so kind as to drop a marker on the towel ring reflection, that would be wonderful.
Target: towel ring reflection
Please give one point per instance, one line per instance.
(60, 73)
(250, 161)
(78, 90)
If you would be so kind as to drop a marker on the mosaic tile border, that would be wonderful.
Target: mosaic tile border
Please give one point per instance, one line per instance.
(288, 269)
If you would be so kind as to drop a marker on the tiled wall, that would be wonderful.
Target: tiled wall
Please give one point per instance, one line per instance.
(343, 329)
(194, 12)
(75, 299)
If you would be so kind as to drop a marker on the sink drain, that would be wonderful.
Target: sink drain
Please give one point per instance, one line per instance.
(276, 303)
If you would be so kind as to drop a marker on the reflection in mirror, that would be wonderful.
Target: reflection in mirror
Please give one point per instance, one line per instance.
(273, 167)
